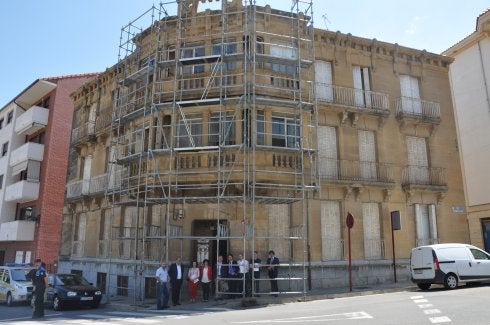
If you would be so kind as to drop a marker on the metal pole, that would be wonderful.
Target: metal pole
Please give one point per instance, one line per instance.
(350, 262)
(393, 248)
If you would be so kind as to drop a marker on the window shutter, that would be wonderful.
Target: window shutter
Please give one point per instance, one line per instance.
(358, 87)
(327, 152)
(331, 231)
(372, 230)
(433, 222)
(278, 215)
(323, 80)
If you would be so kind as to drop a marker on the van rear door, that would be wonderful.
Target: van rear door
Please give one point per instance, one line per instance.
(422, 263)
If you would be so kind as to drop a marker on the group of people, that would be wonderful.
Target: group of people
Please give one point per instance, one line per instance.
(231, 276)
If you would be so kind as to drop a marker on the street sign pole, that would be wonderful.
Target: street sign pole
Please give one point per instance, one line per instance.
(395, 225)
(350, 223)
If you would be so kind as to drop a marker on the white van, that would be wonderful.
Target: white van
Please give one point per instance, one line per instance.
(448, 264)
(15, 284)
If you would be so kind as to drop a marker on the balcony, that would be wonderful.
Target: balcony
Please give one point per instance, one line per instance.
(353, 171)
(357, 100)
(98, 184)
(76, 189)
(414, 108)
(424, 178)
(84, 132)
(35, 118)
(19, 230)
(28, 151)
(23, 191)
(103, 121)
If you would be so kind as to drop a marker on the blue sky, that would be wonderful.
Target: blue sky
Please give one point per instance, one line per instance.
(58, 37)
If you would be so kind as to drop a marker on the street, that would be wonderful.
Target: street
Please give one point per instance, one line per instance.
(466, 305)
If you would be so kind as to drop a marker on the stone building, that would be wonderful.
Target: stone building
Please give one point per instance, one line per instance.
(245, 128)
(470, 83)
(34, 134)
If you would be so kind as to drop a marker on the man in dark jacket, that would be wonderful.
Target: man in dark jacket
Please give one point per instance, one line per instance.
(272, 268)
(176, 274)
(40, 282)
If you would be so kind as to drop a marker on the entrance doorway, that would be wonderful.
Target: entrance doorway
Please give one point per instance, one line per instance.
(485, 224)
(207, 247)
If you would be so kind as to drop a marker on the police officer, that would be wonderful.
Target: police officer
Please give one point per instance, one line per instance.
(40, 282)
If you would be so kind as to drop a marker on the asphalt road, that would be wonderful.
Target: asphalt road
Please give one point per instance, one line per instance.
(466, 305)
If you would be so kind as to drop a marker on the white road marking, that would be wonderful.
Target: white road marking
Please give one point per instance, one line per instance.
(100, 316)
(432, 311)
(416, 297)
(441, 319)
(29, 317)
(131, 313)
(319, 318)
(141, 320)
(426, 305)
(419, 301)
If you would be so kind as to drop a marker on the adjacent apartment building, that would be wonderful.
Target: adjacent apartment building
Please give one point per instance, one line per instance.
(34, 135)
(470, 82)
(247, 129)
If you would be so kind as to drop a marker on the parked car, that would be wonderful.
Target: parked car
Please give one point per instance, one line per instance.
(73, 290)
(15, 283)
(449, 265)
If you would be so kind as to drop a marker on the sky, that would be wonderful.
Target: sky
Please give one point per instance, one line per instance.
(59, 37)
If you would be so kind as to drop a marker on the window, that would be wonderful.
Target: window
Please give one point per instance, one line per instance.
(101, 282)
(26, 213)
(426, 224)
(193, 51)
(331, 230)
(323, 81)
(5, 148)
(479, 255)
(230, 48)
(1, 123)
(409, 87)
(418, 162)
(285, 132)
(285, 51)
(77, 272)
(122, 285)
(10, 116)
(190, 131)
(373, 244)
(79, 227)
(1, 182)
(223, 128)
(327, 152)
(361, 85)
(260, 128)
(367, 155)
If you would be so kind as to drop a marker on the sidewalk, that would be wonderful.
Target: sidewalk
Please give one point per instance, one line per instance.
(126, 304)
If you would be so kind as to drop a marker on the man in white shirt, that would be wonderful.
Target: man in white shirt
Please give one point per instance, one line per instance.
(243, 267)
(162, 290)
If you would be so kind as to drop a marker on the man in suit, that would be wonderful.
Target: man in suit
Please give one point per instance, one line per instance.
(220, 273)
(231, 272)
(272, 268)
(176, 274)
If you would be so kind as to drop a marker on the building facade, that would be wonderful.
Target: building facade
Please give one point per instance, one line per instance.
(246, 129)
(34, 131)
(470, 82)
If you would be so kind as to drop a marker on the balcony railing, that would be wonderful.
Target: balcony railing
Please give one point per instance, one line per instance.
(22, 191)
(355, 171)
(27, 151)
(103, 120)
(33, 119)
(363, 100)
(98, 184)
(423, 176)
(74, 189)
(417, 108)
(83, 132)
(18, 230)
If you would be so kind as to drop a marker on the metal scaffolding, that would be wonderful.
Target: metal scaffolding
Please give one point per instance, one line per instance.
(214, 120)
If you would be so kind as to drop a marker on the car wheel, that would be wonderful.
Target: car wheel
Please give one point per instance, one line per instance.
(423, 286)
(9, 300)
(95, 305)
(451, 281)
(56, 303)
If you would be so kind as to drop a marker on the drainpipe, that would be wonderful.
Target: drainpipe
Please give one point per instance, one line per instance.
(484, 76)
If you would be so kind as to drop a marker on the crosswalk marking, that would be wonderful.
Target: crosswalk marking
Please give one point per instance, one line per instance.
(419, 301)
(425, 305)
(441, 319)
(416, 297)
(432, 311)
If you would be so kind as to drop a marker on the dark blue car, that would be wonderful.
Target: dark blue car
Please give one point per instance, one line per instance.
(71, 290)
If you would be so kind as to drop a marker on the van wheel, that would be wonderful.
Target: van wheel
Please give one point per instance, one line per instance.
(9, 300)
(423, 286)
(450, 281)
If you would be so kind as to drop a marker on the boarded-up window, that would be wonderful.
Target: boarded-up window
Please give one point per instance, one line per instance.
(361, 86)
(426, 224)
(332, 243)
(327, 152)
(367, 154)
(409, 87)
(373, 244)
(323, 80)
(279, 230)
(418, 163)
